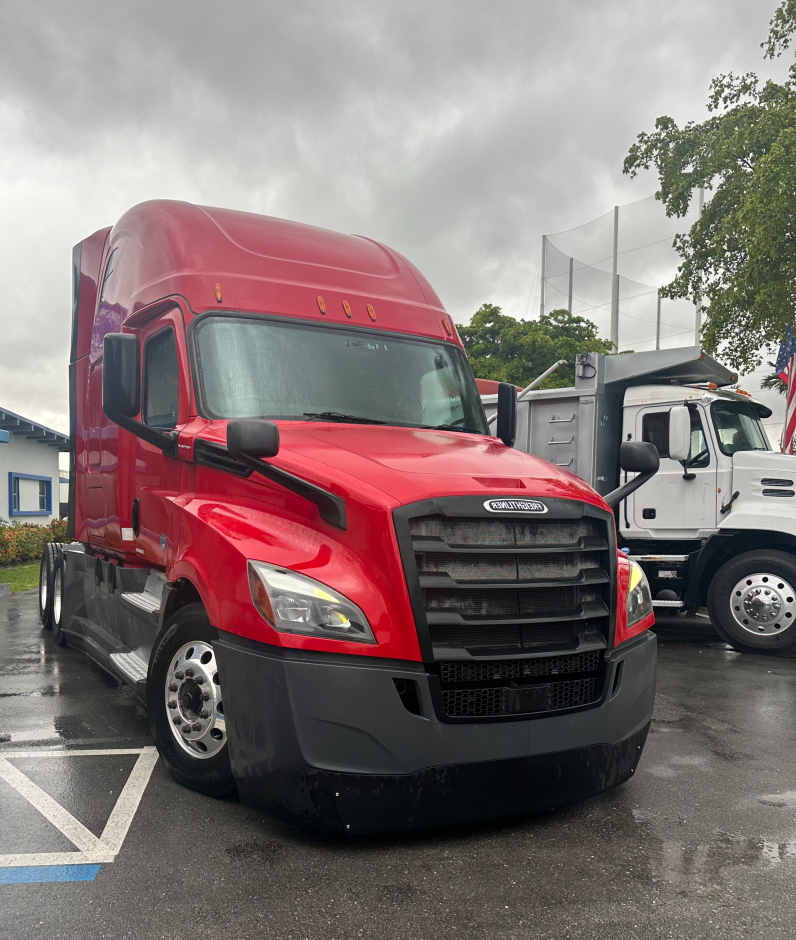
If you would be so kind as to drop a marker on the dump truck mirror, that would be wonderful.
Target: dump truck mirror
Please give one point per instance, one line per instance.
(121, 390)
(507, 414)
(634, 457)
(252, 437)
(679, 433)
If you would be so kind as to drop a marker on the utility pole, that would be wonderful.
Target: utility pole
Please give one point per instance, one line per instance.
(615, 285)
(698, 298)
(569, 303)
(658, 324)
(544, 258)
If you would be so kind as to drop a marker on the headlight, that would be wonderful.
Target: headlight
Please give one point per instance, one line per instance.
(293, 603)
(639, 598)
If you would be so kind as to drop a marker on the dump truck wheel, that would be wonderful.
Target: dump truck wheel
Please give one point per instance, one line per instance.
(185, 704)
(752, 603)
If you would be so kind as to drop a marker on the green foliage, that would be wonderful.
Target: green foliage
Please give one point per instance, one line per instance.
(739, 257)
(772, 380)
(20, 543)
(21, 578)
(517, 351)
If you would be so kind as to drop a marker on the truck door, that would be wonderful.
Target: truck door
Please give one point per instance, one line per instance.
(164, 405)
(678, 501)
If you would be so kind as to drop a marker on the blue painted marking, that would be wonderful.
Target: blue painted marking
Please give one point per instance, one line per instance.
(36, 874)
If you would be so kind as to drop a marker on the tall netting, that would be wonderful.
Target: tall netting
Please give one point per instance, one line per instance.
(578, 274)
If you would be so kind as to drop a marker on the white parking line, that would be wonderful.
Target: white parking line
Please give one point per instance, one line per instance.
(122, 815)
(91, 849)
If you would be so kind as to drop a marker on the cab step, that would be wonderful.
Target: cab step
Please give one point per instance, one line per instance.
(131, 666)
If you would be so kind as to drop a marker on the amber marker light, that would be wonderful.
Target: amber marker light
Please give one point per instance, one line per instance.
(260, 596)
(321, 304)
(371, 312)
(347, 308)
(447, 327)
(219, 295)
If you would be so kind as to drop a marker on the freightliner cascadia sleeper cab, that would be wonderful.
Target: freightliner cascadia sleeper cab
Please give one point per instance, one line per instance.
(295, 538)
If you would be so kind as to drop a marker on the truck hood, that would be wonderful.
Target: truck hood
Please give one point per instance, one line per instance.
(766, 487)
(410, 465)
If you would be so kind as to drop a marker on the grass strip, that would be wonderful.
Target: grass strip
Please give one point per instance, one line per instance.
(20, 577)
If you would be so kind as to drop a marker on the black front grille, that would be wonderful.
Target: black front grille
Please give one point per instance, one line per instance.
(494, 703)
(519, 668)
(510, 583)
(503, 588)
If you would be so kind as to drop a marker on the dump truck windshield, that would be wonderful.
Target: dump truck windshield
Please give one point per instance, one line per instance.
(738, 427)
(250, 367)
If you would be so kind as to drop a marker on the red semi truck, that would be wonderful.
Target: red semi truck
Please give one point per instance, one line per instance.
(296, 540)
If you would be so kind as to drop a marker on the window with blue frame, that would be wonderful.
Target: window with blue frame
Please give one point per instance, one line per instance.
(29, 500)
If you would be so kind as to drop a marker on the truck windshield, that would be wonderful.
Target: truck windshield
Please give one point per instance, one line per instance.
(738, 427)
(249, 368)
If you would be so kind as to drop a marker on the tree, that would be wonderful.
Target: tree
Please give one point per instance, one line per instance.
(739, 257)
(773, 381)
(517, 351)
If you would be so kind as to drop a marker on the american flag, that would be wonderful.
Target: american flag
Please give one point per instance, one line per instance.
(786, 370)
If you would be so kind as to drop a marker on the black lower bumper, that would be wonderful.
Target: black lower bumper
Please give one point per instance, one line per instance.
(325, 742)
(443, 796)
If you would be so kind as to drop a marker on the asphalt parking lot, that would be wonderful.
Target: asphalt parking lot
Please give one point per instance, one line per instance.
(700, 843)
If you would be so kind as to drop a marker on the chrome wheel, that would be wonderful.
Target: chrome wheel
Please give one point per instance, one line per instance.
(193, 700)
(58, 582)
(763, 604)
(43, 586)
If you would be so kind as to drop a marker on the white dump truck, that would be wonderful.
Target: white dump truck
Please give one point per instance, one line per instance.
(716, 525)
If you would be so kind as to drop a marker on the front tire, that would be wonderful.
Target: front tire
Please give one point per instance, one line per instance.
(185, 706)
(752, 602)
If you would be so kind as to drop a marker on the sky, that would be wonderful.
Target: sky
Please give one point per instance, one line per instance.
(457, 132)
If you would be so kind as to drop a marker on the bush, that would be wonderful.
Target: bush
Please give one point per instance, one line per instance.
(19, 543)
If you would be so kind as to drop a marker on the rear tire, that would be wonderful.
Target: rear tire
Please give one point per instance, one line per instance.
(57, 606)
(184, 691)
(752, 603)
(46, 573)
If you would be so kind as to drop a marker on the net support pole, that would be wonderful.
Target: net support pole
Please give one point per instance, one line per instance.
(571, 269)
(698, 298)
(658, 324)
(544, 258)
(615, 285)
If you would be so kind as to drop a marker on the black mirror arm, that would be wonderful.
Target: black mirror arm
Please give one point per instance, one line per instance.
(331, 508)
(164, 440)
(622, 492)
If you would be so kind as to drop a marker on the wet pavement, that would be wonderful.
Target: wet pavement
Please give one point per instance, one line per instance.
(700, 843)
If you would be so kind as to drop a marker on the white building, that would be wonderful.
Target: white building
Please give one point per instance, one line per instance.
(29, 472)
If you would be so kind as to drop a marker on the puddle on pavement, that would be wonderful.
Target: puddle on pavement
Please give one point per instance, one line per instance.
(698, 867)
(787, 799)
(31, 735)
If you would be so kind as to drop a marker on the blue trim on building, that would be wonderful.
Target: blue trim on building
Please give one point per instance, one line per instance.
(29, 512)
(3, 436)
(36, 874)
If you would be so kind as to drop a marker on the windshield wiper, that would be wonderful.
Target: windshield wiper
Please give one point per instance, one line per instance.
(339, 416)
(456, 426)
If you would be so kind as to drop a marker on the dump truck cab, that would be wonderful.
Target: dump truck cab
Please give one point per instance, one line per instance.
(716, 525)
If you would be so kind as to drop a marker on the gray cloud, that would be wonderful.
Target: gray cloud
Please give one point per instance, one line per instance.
(456, 131)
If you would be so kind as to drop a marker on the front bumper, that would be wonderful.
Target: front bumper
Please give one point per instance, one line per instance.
(324, 741)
